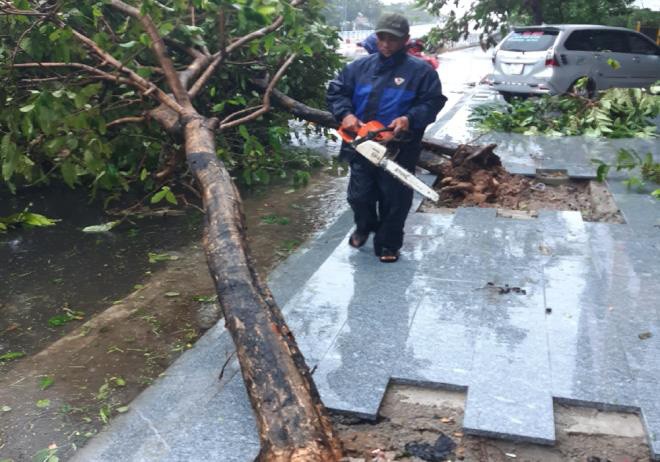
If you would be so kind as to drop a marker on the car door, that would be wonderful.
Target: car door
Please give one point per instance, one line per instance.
(645, 59)
(612, 44)
(579, 56)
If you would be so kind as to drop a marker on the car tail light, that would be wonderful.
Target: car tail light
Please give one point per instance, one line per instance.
(551, 61)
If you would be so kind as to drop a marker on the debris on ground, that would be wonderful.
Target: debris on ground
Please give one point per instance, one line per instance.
(506, 289)
(473, 176)
(645, 335)
(437, 452)
(597, 459)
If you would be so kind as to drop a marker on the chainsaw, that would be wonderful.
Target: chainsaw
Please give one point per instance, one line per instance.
(371, 142)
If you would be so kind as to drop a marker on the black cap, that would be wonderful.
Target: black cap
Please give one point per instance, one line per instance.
(394, 24)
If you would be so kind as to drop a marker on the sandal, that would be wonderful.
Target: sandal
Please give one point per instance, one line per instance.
(389, 256)
(357, 239)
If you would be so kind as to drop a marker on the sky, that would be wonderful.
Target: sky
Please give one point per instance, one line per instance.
(652, 4)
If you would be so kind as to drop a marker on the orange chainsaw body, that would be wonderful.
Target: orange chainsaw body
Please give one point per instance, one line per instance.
(373, 130)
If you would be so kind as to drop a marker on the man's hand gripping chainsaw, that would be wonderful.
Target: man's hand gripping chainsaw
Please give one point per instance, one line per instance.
(367, 141)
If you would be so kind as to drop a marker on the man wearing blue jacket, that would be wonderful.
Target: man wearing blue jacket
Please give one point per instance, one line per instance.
(403, 93)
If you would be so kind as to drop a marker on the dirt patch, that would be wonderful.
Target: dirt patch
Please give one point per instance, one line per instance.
(413, 415)
(486, 183)
(102, 365)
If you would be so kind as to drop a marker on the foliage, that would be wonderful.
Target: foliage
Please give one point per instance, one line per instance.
(494, 18)
(616, 113)
(67, 316)
(645, 16)
(11, 355)
(46, 382)
(156, 257)
(25, 219)
(104, 228)
(48, 454)
(164, 193)
(56, 124)
(632, 162)
(274, 219)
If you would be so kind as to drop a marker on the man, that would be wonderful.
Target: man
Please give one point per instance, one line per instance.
(416, 48)
(403, 93)
(370, 44)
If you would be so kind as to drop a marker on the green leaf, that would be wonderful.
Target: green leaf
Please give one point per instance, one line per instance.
(156, 257)
(602, 171)
(244, 132)
(66, 317)
(104, 228)
(46, 382)
(130, 44)
(169, 197)
(69, 174)
(11, 355)
(43, 403)
(104, 413)
(164, 193)
(27, 108)
(37, 220)
(613, 63)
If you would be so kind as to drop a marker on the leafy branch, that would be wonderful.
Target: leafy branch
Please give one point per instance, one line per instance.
(629, 160)
(615, 113)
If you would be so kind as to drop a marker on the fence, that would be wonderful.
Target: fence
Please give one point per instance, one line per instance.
(652, 32)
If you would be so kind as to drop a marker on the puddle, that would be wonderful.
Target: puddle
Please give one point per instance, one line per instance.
(45, 270)
(49, 270)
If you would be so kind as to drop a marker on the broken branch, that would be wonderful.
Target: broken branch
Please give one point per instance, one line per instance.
(158, 47)
(266, 99)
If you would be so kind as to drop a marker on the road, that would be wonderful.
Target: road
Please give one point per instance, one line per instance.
(461, 71)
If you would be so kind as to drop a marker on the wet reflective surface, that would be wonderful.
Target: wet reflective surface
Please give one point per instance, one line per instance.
(45, 270)
(520, 312)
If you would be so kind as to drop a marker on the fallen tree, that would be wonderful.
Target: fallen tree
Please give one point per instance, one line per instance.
(292, 422)
(154, 59)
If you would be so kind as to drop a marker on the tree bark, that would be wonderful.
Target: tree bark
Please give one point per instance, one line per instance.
(536, 8)
(292, 421)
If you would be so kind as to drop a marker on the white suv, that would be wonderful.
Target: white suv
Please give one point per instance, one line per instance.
(550, 59)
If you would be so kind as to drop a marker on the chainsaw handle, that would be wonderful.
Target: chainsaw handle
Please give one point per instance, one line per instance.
(346, 134)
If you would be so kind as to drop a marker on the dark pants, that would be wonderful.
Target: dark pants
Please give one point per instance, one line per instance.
(379, 201)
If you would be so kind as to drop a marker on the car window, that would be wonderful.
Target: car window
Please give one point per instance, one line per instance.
(640, 45)
(580, 40)
(610, 40)
(530, 40)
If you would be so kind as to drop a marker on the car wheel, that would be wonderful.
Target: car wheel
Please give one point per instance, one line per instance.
(509, 97)
(586, 91)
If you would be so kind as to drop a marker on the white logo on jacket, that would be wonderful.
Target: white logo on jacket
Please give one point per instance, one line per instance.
(399, 80)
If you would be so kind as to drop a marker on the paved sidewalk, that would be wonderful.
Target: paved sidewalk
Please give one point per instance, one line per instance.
(521, 313)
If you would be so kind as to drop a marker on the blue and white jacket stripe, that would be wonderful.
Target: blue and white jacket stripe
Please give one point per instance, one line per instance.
(379, 88)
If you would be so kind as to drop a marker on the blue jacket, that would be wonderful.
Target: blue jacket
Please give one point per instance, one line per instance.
(379, 88)
(370, 44)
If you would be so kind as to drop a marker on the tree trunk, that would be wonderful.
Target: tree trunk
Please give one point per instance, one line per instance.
(536, 8)
(292, 421)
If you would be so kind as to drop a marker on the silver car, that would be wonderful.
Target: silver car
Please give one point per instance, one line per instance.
(551, 59)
